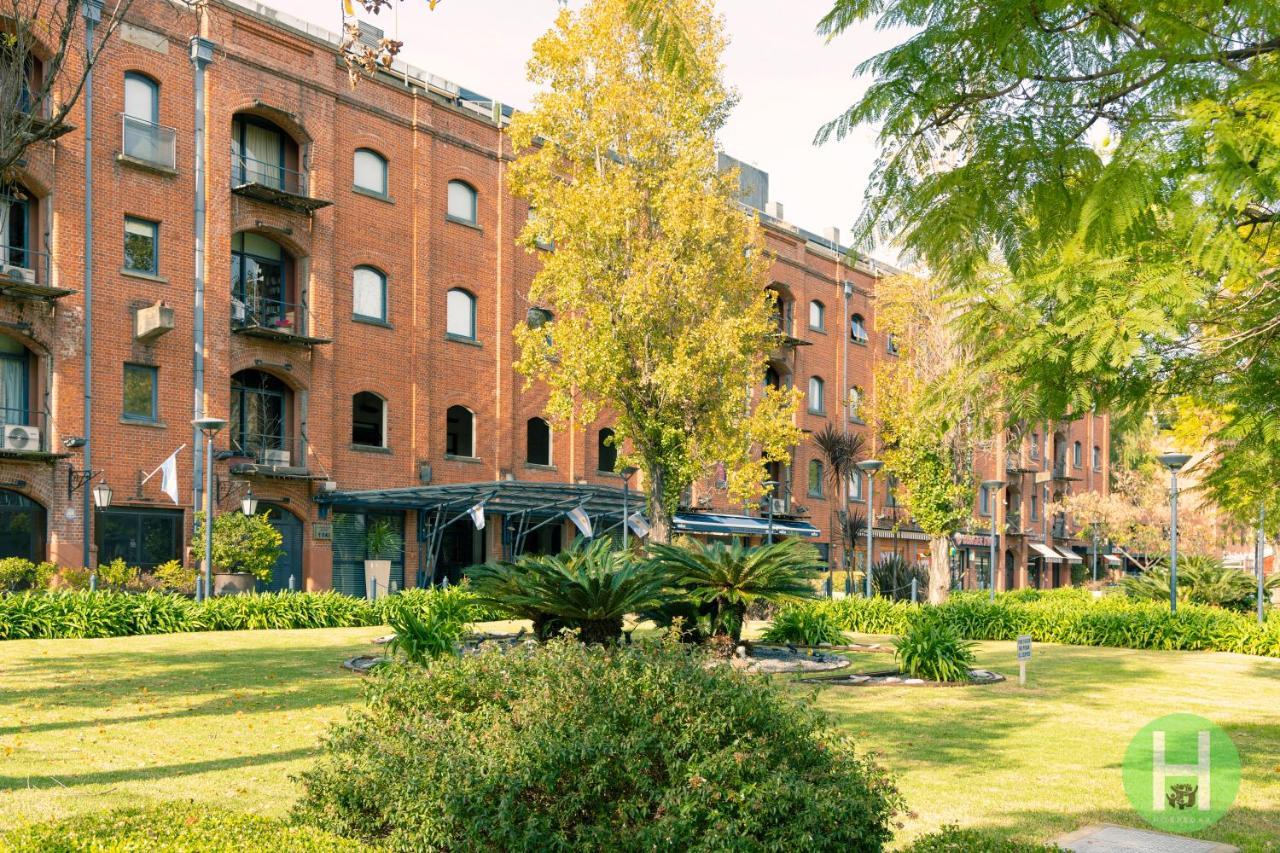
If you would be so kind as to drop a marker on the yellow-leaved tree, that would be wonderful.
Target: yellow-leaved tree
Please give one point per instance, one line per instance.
(658, 313)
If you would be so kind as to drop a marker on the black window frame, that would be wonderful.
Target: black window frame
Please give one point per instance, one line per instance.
(138, 515)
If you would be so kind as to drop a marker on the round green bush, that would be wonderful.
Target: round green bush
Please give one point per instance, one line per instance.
(568, 747)
(933, 650)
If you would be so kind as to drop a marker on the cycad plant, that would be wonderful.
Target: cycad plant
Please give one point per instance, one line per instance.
(589, 587)
(1201, 580)
(727, 579)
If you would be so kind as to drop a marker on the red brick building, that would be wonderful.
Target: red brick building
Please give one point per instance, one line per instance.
(355, 247)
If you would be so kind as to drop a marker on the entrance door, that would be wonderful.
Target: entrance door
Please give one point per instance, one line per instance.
(461, 546)
(22, 527)
(1010, 576)
(290, 562)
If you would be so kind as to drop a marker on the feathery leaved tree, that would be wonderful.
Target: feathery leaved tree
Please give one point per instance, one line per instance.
(655, 289)
(1120, 162)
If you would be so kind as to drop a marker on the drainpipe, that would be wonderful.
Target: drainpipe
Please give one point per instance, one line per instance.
(201, 56)
(92, 12)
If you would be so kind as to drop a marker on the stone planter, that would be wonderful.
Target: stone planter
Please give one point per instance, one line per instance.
(233, 583)
(377, 577)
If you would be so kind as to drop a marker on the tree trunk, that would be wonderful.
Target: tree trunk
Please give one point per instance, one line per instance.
(659, 512)
(939, 569)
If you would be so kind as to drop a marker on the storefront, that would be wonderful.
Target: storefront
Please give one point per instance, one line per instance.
(971, 561)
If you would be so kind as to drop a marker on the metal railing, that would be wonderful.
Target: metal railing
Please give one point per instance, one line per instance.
(278, 451)
(246, 171)
(24, 430)
(148, 143)
(252, 311)
(20, 265)
(1013, 524)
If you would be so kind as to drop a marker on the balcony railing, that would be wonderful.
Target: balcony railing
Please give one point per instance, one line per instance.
(27, 273)
(267, 450)
(271, 318)
(152, 144)
(24, 432)
(1013, 524)
(272, 183)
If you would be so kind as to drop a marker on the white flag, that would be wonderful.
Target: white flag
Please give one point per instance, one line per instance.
(169, 476)
(638, 525)
(477, 515)
(581, 520)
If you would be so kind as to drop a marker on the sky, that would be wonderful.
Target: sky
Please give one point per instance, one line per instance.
(789, 80)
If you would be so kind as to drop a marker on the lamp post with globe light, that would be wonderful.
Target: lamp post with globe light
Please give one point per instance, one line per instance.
(1174, 462)
(869, 467)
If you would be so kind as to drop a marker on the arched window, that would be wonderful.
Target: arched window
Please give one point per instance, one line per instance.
(141, 98)
(606, 451)
(816, 403)
(15, 382)
(462, 202)
(262, 286)
(369, 294)
(460, 314)
(817, 315)
(23, 523)
(260, 418)
(1097, 458)
(263, 154)
(368, 420)
(1077, 454)
(460, 432)
(815, 478)
(857, 329)
(537, 442)
(772, 379)
(370, 171)
(855, 403)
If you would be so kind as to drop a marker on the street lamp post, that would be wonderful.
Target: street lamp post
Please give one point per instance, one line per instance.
(626, 474)
(771, 487)
(1258, 548)
(1174, 462)
(1093, 525)
(869, 467)
(993, 488)
(209, 427)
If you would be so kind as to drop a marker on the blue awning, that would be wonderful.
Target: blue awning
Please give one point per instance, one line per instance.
(741, 525)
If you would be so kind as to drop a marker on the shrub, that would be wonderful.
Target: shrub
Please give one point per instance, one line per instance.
(115, 575)
(952, 839)
(724, 580)
(429, 625)
(1201, 580)
(892, 578)
(933, 650)
(588, 587)
(70, 577)
(575, 747)
(175, 577)
(172, 827)
(17, 573)
(241, 543)
(805, 626)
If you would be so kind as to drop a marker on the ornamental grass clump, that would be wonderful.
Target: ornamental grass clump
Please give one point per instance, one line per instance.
(566, 746)
(933, 650)
(804, 626)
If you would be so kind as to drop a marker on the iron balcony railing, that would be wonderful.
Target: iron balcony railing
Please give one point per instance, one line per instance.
(1013, 524)
(23, 430)
(273, 450)
(23, 266)
(149, 143)
(246, 171)
(267, 313)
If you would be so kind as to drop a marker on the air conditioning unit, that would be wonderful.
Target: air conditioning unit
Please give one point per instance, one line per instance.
(20, 437)
(16, 273)
(238, 311)
(777, 505)
(275, 458)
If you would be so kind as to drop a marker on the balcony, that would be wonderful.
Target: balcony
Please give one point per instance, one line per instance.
(1013, 525)
(24, 436)
(1061, 472)
(151, 146)
(27, 274)
(272, 319)
(272, 183)
(268, 455)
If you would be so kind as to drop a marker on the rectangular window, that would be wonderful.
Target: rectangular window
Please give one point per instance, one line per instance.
(141, 245)
(891, 491)
(984, 500)
(1035, 445)
(855, 486)
(140, 392)
(1035, 507)
(145, 538)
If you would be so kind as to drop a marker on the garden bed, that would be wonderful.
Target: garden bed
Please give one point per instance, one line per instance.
(895, 678)
(776, 659)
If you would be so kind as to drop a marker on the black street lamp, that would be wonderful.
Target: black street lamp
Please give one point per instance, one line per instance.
(1174, 462)
(993, 488)
(869, 467)
(249, 504)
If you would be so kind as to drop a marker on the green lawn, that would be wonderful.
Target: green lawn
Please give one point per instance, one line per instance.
(228, 717)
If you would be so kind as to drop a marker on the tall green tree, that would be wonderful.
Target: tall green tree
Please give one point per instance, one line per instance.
(1099, 185)
(656, 285)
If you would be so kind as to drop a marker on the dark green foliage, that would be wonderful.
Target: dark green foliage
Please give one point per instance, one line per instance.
(726, 579)
(170, 827)
(422, 636)
(804, 626)
(892, 578)
(574, 747)
(1201, 580)
(83, 614)
(588, 587)
(952, 839)
(932, 649)
(1071, 617)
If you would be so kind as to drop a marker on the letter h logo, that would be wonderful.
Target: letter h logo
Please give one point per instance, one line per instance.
(1183, 796)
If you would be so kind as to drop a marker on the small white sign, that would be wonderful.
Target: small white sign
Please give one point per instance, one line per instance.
(1024, 647)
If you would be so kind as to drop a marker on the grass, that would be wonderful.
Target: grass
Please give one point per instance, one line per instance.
(87, 725)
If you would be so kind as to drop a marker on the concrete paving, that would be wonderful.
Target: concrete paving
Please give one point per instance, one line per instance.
(1106, 838)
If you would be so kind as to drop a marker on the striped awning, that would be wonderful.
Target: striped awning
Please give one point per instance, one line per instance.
(1049, 554)
(715, 524)
(1071, 556)
(1112, 558)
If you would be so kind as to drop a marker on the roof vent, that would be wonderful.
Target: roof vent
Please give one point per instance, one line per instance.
(370, 36)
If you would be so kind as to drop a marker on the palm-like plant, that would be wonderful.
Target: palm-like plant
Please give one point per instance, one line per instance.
(589, 587)
(1201, 580)
(727, 579)
(842, 452)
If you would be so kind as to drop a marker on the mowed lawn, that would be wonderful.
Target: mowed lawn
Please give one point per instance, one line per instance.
(228, 717)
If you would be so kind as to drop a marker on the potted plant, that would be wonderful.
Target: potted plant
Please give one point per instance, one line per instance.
(380, 543)
(245, 549)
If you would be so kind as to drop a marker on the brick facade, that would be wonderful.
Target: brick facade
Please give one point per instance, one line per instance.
(315, 353)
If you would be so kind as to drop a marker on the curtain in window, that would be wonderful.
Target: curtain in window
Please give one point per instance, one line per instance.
(13, 389)
(262, 153)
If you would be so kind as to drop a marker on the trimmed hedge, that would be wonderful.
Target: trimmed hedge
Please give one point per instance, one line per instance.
(82, 614)
(952, 839)
(171, 827)
(1068, 616)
